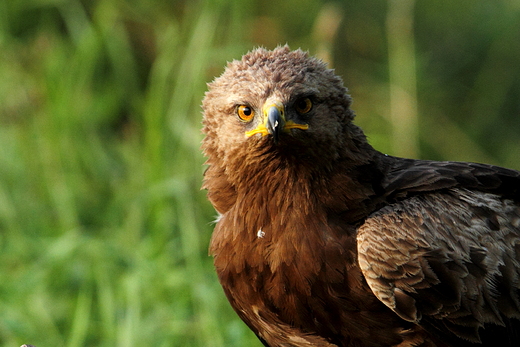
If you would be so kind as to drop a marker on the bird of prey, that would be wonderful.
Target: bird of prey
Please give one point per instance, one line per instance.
(321, 240)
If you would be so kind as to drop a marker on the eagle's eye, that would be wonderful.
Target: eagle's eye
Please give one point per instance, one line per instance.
(245, 113)
(303, 105)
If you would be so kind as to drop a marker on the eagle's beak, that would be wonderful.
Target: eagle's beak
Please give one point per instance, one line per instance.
(274, 122)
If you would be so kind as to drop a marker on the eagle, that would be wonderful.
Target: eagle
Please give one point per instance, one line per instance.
(321, 240)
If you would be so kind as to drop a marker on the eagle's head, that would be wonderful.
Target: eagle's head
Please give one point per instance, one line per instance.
(281, 101)
(276, 116)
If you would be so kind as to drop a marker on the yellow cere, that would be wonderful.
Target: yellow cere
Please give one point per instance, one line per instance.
(262, 129)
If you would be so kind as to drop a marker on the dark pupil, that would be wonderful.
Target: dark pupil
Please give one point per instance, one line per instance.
(247, 111)
(302, 104)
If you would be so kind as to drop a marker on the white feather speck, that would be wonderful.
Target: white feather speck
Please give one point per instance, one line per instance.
(218, 218)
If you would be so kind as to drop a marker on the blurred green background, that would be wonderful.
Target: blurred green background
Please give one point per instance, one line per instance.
(103, 227)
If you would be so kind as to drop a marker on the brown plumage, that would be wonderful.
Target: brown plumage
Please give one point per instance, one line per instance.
(324, 241)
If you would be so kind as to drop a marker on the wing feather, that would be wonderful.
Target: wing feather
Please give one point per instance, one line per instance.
(450, 257)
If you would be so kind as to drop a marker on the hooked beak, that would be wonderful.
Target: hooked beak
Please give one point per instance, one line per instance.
(274, 122)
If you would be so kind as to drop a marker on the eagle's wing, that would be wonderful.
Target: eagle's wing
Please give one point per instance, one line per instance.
(448, 260)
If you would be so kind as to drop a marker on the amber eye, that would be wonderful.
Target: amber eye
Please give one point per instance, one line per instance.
(303, 105)
(245, 113)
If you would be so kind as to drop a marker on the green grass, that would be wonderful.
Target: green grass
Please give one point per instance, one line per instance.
(103, 227)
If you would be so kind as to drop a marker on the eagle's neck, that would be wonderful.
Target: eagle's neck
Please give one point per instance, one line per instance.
(285, 211)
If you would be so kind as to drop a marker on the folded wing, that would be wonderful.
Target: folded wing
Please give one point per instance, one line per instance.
(448, 260)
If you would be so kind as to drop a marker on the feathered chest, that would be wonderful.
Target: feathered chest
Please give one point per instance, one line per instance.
(282, 252)
(290, 228)
(293, 266)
